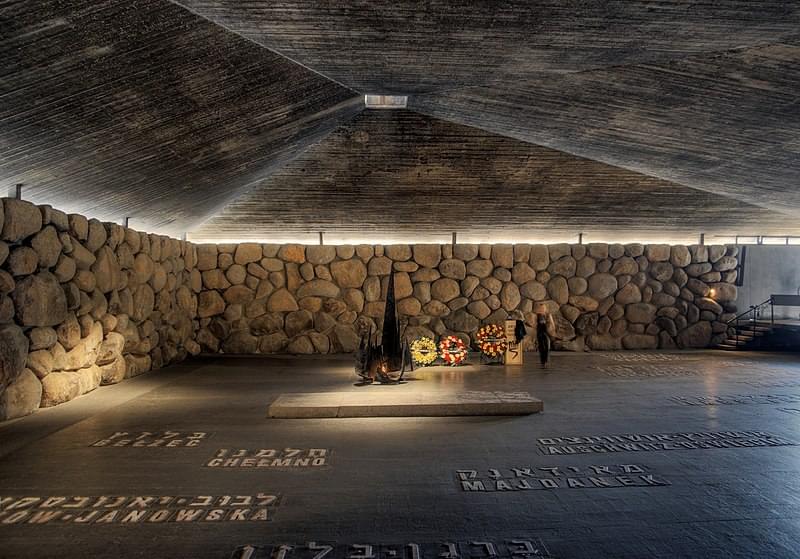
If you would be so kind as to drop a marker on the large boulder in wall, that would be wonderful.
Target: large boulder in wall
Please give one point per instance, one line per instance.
(604, 342)
(724, 292)
(240, 342)
(89, 378)
(13, 354)
(297, 322)
(349, 273)
(210, 303)
(300, 345)
(428, 256)
(345, 339)
(273, 343)
(143, 302)
(602, 285)
(114, 372)
(247, 252)
(320, 254)
(137, 364)
(697, 335)
(60, 387)
(47, 246)
(84, 354)
(640, 313)
(22, 397)
(111, 348)
(318, 288)
(40, 300)
(22, 219)
(107, 271)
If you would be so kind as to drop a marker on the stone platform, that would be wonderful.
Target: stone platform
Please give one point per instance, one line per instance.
(394, 402)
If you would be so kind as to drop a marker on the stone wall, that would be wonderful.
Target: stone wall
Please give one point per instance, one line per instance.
(85, 303)
(313, 299)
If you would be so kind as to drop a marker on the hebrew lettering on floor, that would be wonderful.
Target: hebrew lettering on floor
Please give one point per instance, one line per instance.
(166, 439)
(524, 547)
(143, 509)
(270, 458)
(657, 442)
(558, 477)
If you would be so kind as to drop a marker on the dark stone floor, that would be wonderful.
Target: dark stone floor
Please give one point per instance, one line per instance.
(724, 484)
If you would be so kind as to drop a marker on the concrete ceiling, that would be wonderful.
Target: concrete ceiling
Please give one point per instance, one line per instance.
(144, 110)
(231, 113)
(727, 123)
(390, 175)
(408, 46)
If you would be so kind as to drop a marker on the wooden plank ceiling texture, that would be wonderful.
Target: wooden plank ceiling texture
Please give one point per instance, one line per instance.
(390, 174)
(114, 108)
(727, 123)
(174, 113)
(408, 46)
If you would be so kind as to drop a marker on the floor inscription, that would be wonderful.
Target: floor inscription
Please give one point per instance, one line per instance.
(479, 548)
(115, 509)
(632, 356)
(742, 363)
(646, 371)
(167, 439)
(658, 442)
(734, 399)
(570, 477)
(270, 458)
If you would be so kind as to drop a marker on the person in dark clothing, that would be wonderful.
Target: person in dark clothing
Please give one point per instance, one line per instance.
(544, 325)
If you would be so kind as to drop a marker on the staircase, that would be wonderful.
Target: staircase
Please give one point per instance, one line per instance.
(748, 334)
(748, 328)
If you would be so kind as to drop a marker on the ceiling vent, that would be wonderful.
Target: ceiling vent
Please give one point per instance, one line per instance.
(386, 101)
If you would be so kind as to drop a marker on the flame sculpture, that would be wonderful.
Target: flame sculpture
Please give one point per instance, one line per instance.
(384, 362)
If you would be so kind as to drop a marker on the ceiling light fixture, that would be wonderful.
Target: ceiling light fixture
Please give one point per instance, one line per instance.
(386, 101)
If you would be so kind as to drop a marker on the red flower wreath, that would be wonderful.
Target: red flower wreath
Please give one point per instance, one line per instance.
(453, 350)
(492, 340)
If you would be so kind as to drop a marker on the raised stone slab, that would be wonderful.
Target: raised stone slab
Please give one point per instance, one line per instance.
(398, 403)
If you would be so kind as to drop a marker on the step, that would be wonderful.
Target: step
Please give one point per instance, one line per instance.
(757, 329)
(733, 341)
(401, 401)
(760, 323)
(727, 344)
(745, 337)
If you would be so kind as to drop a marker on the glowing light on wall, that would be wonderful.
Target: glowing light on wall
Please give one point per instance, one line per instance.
(493, 237)
(299, 240)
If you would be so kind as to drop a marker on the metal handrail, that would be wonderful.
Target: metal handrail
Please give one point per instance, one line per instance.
(751, 309)
(755, 310)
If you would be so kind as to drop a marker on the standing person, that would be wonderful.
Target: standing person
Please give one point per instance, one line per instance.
(544, 326)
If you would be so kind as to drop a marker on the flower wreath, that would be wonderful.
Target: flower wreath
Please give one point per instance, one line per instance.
(453, 350)
(423, 351)
(492, 340)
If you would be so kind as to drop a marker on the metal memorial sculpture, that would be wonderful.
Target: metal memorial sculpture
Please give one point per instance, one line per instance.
(364, 356)
(384, 362)
(390, 338)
